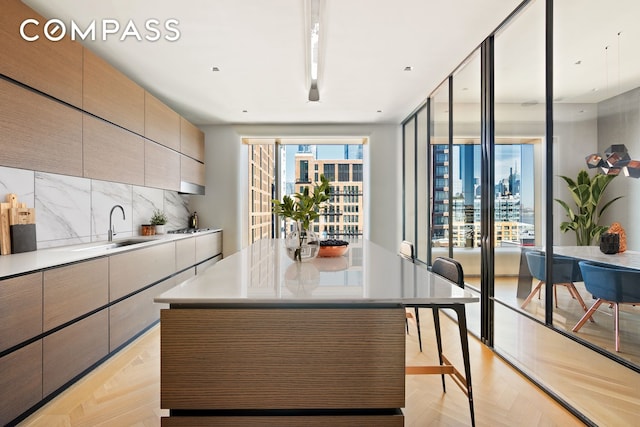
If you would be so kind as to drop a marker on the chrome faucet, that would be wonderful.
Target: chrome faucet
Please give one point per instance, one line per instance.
(111, 232)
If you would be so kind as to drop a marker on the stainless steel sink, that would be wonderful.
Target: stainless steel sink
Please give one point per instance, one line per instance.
(113, 245)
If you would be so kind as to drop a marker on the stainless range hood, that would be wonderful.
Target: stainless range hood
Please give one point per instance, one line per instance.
(191, 188)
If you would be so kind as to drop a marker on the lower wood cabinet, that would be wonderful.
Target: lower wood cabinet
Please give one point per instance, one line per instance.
(208, 245)
(131, 271)
(72, 291)
(20, 381)
(20, 309)
(72, 350)
(132, 315)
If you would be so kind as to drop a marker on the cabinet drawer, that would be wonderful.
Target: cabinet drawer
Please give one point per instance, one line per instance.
(21, 381)
(131, 271)
(208, 245)
(185, 253)
(73, 349)
(20, 309)
(72, 291)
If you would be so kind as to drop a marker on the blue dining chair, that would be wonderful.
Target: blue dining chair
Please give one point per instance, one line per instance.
(565, 272)
(611, 285)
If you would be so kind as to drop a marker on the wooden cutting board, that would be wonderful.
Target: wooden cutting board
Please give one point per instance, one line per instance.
(13, 212)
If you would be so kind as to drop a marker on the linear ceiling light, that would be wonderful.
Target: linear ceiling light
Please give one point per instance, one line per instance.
(314, 36)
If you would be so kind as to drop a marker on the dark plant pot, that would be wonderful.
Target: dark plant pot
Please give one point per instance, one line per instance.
(610, 243)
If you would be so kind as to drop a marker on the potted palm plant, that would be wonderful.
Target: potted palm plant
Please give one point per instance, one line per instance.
(587, 194)
(159, 219)
(303, 208)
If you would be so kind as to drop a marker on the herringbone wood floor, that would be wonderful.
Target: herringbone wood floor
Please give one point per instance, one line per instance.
(125, 391)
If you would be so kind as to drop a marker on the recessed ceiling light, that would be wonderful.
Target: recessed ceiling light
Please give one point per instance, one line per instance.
(578, 62)
(465, 88)
(244, 111)
(408, 68)
(214, 69)
(378, 111)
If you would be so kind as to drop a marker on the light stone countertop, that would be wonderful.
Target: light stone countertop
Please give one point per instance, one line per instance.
(263, 274)
(26, 262)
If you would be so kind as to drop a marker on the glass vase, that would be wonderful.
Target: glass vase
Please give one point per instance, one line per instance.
(302, 244)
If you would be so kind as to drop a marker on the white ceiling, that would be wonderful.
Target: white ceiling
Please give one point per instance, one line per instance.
(260, 48)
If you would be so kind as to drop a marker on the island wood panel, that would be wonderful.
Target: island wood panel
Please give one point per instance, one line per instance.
(111, 95)
(282, 358)
(20, 381)
(112, 153)
(72, 291)
(70, 351)
(208, 245)
(185, 253)
(54, 68)
(161, 123)
(130, 316)
(131, 271)
(39, 133)
(392, 420)
(161, 167)
(191, 170)
(191, 140)
(20, 309)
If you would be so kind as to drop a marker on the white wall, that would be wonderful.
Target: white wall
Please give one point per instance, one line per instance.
(225, 202)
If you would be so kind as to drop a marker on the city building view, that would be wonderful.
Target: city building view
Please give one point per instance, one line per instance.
(514, 212)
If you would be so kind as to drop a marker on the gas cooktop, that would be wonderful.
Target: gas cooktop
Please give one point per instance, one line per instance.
(188, 230)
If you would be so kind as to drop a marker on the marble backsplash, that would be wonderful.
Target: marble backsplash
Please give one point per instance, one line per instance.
(72, 210)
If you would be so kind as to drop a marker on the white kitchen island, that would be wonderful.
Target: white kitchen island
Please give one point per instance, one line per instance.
(260, 340)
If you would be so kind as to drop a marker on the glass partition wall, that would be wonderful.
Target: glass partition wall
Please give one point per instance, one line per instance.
(596, 107)
(563, 83)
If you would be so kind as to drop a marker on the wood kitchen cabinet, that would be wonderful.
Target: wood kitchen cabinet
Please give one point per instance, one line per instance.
(39, 133)
(185, 253)
(54, 68)
(112, 153)
(71, 350)
(131, 271)
(72, 291)
(191, 171)
(191, 140)
(21, 381)
(161, 167)
(111, 95)
(207, 246)
(161, 123)
(20, 309)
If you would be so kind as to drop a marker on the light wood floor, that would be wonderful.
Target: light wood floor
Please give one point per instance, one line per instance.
(125, 391)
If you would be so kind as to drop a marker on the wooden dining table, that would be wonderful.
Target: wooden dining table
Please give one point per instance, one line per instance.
(259, 335)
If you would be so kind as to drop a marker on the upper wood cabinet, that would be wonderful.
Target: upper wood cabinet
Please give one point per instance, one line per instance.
(161, 167)
(111, 95)
(161, 123)
(112, 153)
(54, 68)
(191, 140)
(191, 171)
(39, 133)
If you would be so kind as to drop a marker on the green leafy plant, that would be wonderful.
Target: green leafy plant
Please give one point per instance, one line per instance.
(304, 206)
(587, 194)
(158, 217)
